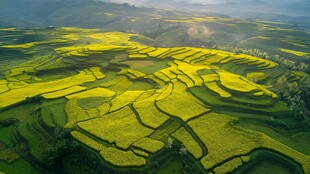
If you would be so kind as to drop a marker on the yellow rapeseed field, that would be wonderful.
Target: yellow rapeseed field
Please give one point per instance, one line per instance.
(213, 128)
(122, 158)
(162, 76)
(74, 113)
(189, 142)
(215, 88)
(186, 107)
(120, 127)
(236, 83)
(96, 92)
(136, 74)
(256, 76)
(88, 141)
(149, 114)
(166, 93)
(3, 86)
(158, 52)
(137, 56)
(97, 72)
(296, 53)
(229, 166)
(149, 145)
(125, 99)
(64, 92)
(31, 90)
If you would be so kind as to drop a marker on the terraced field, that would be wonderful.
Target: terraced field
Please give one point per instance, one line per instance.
(125, 101)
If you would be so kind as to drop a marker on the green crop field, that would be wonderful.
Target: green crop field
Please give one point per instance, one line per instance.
(85, 100)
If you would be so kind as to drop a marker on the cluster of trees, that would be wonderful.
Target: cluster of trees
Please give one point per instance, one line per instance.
(65, 150)
(296, 95)
(178, 153)
(8, 122)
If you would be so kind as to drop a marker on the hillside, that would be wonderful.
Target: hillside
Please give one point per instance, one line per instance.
(168, 28)
(105, 102)
(154, 87)
(158, 24)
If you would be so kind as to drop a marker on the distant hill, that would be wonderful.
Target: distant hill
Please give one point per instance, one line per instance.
(168, 28)
(293, 7)
(247, 9)
(83, 13)
(99, 13)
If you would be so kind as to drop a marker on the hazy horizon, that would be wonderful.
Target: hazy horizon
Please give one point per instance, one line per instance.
(205, 2)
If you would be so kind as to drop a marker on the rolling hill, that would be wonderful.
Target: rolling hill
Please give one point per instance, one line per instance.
(169, 28)
(95, 87)
(104, 102)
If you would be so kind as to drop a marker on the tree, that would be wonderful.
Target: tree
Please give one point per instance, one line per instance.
(295, 96)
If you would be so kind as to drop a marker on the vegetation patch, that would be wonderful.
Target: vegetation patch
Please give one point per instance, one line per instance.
(9, 155)
(97, 73)
(215, 88)
(31, 90)
(186, 107)
(88, 141)
(125, 99)
(212, 128)
(235, 83)
(229, 166)
(149, 145)
(189, 142)
(122, 158)
(91, 102)
(96, 92)
(149, 114)
(256, 76)
(296, 53)
(64, 92)
(120, 127)
(137, 56)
